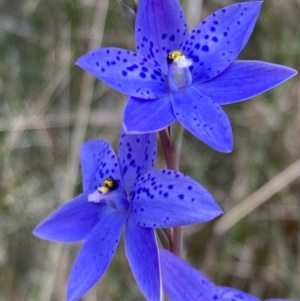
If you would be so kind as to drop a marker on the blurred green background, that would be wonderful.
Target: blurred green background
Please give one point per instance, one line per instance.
(49, 107)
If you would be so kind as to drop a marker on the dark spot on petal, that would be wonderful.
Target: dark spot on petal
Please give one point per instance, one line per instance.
(205, 48)
(157, 73)
(133, 67)
(163, 36)
(172, 38)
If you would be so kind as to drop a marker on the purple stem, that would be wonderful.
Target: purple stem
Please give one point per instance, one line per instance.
(171, 157)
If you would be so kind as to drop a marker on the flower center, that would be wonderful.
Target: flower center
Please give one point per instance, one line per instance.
(109, 184)
(179, 75)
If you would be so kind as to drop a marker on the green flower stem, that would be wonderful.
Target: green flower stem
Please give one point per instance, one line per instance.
(172, 162)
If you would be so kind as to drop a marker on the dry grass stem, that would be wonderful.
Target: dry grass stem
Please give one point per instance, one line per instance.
(259, 197)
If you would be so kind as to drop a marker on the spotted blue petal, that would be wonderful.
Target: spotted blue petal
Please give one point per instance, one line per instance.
(137, 155)
(71, 222)
(230, 294)
(95, 255)
(251, 78)
(204, 118)
(166, 198)
(182, 282)
(126, 71)
(140, 244)
(98, 161)
(160, 28)
(216, 42)
(146, 116)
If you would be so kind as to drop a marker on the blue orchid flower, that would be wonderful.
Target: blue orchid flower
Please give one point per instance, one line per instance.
(182, 282)
(174, 75)
(120, 192)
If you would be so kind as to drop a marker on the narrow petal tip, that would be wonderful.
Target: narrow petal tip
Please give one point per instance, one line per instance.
(36, 231)
(80, 62)
(225, 148)
(44, 231)
(291, 72)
